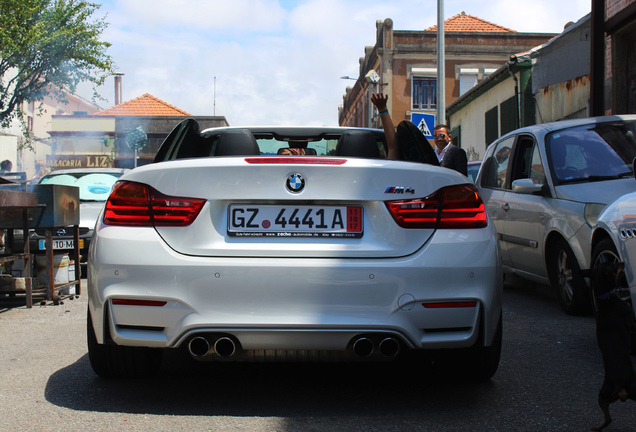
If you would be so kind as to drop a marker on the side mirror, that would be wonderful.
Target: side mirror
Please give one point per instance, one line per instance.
(527, 187)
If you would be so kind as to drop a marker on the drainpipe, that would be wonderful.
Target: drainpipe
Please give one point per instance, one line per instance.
(512, 62)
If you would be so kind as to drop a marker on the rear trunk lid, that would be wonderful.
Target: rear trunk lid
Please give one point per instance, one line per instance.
(245, 197)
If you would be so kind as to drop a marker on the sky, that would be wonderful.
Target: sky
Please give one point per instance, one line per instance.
(276, 62)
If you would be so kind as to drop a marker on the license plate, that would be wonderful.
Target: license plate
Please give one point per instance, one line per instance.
(61, 244)
(295, 221)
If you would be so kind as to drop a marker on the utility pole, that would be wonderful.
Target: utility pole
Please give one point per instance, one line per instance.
(441, 62)
(597, 59)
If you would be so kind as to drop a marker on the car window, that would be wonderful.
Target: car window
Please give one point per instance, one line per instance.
(592, 153)
(92, 186)
(272, 146)
(497, 165)
(528, 161)
(537, 172)
(473, 170)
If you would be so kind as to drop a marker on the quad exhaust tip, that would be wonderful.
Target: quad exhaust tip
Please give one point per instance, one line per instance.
(225, 346)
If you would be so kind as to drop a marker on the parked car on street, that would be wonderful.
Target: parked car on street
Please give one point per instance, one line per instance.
(544, 187)
(231, 250)
(614, 240)
(94, 187)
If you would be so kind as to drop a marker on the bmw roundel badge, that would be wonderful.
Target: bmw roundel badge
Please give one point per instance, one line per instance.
(295, 183)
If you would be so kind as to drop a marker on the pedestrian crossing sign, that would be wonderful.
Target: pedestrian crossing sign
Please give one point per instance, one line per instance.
(424, 122)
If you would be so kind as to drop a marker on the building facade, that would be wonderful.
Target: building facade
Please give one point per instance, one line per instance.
(103, 139)
(613, 51)
(38, 117)
(588, 70)
(547, 83)
(406, 62)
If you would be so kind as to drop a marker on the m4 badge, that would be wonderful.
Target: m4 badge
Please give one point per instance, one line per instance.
(400, 190)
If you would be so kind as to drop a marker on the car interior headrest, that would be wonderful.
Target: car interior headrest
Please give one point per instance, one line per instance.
(237, 142)
(358, 144)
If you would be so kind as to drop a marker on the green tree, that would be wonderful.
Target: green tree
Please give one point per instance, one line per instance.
(48, 47)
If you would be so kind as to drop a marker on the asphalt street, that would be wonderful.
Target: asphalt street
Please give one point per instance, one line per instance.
(548, 379)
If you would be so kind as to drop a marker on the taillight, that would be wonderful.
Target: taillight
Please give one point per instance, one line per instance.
(457, 206)
(135, 204)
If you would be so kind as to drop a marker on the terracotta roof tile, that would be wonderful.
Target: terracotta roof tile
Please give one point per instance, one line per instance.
(146, 105)
(469, 23)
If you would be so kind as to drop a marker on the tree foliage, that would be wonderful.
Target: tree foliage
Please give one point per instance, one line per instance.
(48, 47)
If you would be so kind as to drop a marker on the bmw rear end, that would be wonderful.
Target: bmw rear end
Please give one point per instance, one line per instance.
(313, 257)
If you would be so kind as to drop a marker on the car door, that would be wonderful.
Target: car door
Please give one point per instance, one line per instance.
(492, 188)
(526, 204)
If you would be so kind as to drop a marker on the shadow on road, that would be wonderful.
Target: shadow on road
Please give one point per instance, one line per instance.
(187, 387)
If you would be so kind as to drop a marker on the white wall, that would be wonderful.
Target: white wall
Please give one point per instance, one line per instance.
(9, 149)
(472, 117)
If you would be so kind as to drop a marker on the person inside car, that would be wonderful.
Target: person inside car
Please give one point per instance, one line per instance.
(291, 151)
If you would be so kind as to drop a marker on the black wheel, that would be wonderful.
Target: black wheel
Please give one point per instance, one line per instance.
(116, 361)
(483, 361)
(573, 292)
(604, 251)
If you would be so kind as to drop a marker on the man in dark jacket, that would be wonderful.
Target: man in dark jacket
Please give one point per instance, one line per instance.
(449, 155)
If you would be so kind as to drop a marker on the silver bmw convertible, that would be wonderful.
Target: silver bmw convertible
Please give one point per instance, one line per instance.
(292, 244)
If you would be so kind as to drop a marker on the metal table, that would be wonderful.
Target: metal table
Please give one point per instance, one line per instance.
(44, 206)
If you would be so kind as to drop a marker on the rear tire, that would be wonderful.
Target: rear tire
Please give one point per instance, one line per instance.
(116, 361)
(476, 364)
(571, 289)
(482, 362)
(604, 251)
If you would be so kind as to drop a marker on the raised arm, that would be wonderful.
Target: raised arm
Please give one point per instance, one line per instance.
(379, 100)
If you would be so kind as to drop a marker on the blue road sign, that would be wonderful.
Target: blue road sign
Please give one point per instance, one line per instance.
(424, 122)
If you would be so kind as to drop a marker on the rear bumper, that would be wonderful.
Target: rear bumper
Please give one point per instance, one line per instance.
(296, 304)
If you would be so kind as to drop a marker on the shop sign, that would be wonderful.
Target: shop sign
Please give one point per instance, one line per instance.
(78, 161)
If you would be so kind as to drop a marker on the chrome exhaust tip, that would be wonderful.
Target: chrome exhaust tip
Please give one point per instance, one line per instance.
(363, 347)
(199, 346)
(224, 347)
(389, 347)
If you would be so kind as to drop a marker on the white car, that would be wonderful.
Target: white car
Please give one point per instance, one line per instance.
(333, 253)
(614, 239)
(545, 185)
